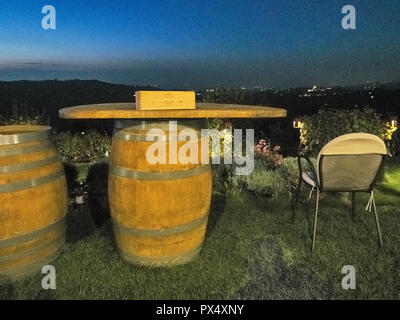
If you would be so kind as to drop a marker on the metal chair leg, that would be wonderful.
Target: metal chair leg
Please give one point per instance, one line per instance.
(353, 204)
(378, 228)
(295, 200)
(315, 221)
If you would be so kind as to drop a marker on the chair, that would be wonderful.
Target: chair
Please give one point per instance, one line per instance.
(349, 163)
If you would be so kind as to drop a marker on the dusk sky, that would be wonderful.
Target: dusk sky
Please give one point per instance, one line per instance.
(199, 44)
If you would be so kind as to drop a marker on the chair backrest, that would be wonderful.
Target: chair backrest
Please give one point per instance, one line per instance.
(350, 162)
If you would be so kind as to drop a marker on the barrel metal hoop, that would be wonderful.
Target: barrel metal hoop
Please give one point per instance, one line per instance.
(145, 137)
(29, 165)
(26, 149)
(27, 184)
(23, 137)
(127, 136)
(159, 124)
(160, 232)
(122, 128)
(151, 175)
(32, 235)
(32, 251)
(15, 273)
(167, 260)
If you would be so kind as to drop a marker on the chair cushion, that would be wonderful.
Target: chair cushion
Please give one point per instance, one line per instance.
(308, 178)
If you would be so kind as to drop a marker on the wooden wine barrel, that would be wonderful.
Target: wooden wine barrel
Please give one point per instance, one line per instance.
(159, 211)
(33, 200)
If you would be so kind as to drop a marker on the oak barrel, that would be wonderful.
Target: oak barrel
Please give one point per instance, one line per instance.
(159, 211)
(33, 200)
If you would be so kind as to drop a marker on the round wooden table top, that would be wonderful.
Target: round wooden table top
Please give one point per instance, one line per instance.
(203, 110)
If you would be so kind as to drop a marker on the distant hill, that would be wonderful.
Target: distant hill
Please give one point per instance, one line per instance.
(51, 95)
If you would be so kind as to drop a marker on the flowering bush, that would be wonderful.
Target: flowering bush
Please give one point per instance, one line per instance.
(271, 155)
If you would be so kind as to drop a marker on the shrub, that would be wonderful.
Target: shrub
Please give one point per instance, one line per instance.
(272, 173)
(222, 175)
(21, 114)
(271, 155)
(327, 124)
(262, 183)
(21, 120)
(98, 145)
(85, 147)
(267, 181)
(69, 146)
(225, 134)
(290, 172)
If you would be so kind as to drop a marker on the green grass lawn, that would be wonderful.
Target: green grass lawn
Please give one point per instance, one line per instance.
(251, 251)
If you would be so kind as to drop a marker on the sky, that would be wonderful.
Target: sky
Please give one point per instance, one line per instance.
(200, 44)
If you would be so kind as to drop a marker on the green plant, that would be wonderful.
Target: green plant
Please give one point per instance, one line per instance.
(22, 115)
(222, 175)
(69, 146)
(98, 145)
(225, 136)
(83, 147)
(268, 181)
(327, 124)
(290, 172)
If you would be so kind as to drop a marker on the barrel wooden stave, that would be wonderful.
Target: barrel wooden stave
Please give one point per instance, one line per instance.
(18, 259)
(139, 206)
(134, 156)
(158, 249)
(33, 202)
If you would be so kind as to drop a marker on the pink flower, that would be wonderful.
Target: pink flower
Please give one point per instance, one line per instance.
(272, 154)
